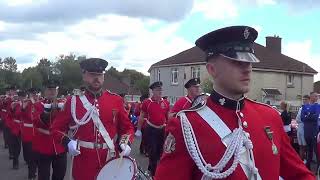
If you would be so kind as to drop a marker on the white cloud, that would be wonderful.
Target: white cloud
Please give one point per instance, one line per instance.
(216, 9)
(302, 52)
(126, 42)
(18, 2)
(226, 9)
(266, 2)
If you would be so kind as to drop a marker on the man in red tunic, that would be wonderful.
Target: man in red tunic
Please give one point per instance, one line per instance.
(193, 88)
(155, 110)
(14, 123)
(99, 123)
(228, 136)
(48, 152)
(28, 131)
(137, 111)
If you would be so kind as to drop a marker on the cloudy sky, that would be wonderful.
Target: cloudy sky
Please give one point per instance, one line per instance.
(137, 33)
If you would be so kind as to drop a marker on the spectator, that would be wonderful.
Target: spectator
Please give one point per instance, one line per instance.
(300, 132)
(286, 117)
(309, 116)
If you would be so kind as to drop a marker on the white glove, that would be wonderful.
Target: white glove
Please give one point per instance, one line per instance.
(48, 106)
(126, 149)
(60, 105)
(138, 133)
(72, 148)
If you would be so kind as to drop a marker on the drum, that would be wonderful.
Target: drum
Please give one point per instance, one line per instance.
(116, 169)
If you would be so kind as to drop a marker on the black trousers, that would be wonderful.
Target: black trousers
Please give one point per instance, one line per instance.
(142, 147)
(154, 146)
(6, 132)
(58, 163)
(30, 157)
(311, 142)
(14, 146)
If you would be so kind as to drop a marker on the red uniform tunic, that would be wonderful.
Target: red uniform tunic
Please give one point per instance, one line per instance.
(27, 130)
(6, 110)
(14, 120)
(156, 112)
(114, 118)
(181, 104)
(176, 163)
(43, 141)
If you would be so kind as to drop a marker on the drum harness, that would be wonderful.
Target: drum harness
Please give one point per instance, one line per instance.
(238, 139)
(92, 113)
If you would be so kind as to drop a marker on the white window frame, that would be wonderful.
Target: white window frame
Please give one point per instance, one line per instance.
(174, 76)
(195, 72)
(158, 75)
(290, 82)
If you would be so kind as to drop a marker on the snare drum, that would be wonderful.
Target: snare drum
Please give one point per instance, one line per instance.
(116, 170)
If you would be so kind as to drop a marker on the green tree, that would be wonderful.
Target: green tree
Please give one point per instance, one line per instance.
(9, 64)
(31, 77)
(207, 85)
(143, 85)
(70, 73)
(44, 67)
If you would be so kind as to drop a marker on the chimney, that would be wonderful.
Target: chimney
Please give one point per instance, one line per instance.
(274, 43)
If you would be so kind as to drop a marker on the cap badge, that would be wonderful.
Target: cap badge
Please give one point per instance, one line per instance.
(246, 33)
(222, 101)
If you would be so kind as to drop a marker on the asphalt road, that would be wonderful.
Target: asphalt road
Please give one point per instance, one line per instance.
(7, 173)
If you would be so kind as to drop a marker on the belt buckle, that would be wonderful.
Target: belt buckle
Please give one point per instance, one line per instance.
(97, 145)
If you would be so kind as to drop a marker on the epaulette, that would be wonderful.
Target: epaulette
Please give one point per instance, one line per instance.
(198, 103)
(112, 93)
(260, 103)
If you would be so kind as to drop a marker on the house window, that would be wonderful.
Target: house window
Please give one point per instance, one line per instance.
(195, 72)
(290, 80)
(174, 76)
(158, 74)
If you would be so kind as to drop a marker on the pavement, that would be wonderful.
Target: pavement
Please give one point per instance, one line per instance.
(7, 173)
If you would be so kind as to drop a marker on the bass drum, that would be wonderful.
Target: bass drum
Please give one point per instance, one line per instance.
(119, 169)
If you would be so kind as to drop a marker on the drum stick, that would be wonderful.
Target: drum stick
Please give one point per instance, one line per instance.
(121, 155)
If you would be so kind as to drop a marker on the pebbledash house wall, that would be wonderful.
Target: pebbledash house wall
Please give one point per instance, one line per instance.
(261, 78)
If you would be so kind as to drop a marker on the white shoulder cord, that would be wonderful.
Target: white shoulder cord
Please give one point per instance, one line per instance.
(238, 139)
(194, 151)
(86, 118)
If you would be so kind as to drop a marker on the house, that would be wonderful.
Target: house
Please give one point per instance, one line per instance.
(117, 86)
(316, 87)
(277, 77)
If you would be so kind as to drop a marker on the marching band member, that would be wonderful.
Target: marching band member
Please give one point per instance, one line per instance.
(28, 131)
(193, 88)
(48, 152)
(3, 114)
(14, 124)
(155, 110)
(137, 111)
(228, 136)
(6, 115)
(98, 119)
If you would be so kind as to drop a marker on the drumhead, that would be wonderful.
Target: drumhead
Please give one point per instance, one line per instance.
(114, 170)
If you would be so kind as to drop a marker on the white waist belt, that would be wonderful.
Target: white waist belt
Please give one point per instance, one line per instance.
(44, 131)
(155, 126)
(3, 110)
(27, 125)
(92, 145)
(17, 121)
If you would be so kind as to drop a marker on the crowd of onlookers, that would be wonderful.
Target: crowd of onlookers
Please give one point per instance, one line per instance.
(304, 128)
